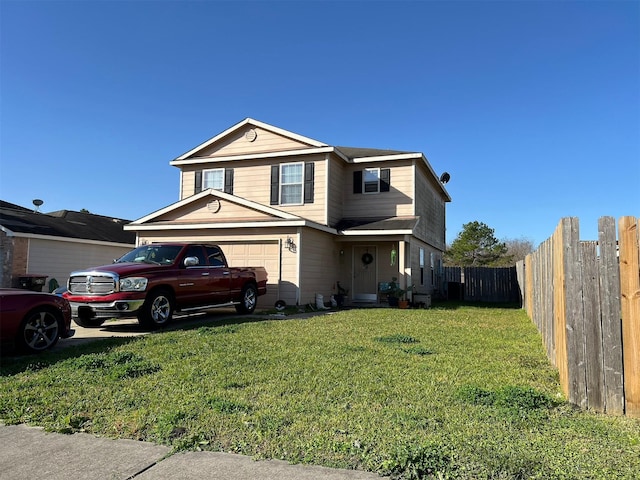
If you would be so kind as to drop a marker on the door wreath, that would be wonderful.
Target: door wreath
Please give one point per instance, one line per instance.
(367, 258)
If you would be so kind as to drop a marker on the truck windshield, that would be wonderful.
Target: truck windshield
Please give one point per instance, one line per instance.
(158, 254)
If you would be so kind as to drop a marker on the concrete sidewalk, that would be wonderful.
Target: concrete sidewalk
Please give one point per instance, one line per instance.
(30, 453)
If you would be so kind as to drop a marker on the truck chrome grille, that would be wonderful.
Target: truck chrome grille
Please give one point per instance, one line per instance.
(92, 285)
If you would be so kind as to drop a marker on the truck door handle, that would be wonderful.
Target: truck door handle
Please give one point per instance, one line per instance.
(226, 272)
(205, 274)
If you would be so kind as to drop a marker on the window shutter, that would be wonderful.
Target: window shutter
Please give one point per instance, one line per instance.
(385, 179)
(357, 181)
(198, 182)
(309, 169)
(275, 184)
(228, 181)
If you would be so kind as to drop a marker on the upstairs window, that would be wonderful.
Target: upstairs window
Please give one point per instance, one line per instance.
(213, 179)
(372, 180)
(292, 183)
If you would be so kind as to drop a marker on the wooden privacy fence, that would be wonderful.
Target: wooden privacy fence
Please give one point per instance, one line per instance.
(482, 284)
(584, 297)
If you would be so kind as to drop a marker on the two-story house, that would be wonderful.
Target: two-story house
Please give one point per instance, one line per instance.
(311, 213)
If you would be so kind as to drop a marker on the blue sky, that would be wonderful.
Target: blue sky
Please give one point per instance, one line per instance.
(532, 107)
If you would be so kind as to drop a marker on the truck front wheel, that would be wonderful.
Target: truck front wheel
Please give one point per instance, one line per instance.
(248, 299)
(157, 309)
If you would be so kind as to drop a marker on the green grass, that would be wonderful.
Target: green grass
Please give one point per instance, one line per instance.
(461, 392)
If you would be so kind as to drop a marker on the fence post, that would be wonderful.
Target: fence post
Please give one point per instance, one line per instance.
(630, 308)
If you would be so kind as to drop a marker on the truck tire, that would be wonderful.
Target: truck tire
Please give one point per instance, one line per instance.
(157, 309)
(248, 299)
(89, 322)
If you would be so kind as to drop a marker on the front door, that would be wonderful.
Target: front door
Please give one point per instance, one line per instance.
(365, 274)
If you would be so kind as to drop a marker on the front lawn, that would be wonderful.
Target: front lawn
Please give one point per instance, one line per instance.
(461, 392)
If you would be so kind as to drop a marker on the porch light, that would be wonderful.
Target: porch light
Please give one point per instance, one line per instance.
(290, 245)
(394, 254)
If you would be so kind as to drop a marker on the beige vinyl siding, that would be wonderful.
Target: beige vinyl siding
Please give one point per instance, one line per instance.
(58, 258)
(265, 141)
(397, 202)
(213, 210)
(256, 240)
(319, 268)
(430, 206)
(426, 284)
(252, 181)
(335, 195)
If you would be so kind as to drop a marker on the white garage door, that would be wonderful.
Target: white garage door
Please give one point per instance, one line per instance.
(263, 254)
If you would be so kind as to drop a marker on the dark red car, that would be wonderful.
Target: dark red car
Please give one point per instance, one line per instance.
(33, 321)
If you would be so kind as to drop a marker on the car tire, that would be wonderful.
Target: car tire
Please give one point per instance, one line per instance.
(248, 299)
(89, 322)
(157, 309)
(39, 330)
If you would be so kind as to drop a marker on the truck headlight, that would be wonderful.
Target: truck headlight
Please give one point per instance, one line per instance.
(133, 284)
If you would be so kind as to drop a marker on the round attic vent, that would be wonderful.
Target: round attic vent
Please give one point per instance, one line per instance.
(250, 135)
(214, 206)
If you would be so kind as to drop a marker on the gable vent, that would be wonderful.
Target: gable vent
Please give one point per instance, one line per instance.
(250, 135)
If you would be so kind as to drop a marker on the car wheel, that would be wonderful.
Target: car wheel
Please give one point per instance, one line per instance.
(248, 299)
(89, 322)
(39, 330)
(157, 309)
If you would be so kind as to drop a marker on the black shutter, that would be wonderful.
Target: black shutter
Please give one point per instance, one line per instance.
(198, 185)
(357, 181)
(275, 184)
(385, 179)
(228, 181)
(308, 182)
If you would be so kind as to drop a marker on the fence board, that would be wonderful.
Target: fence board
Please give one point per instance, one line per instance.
(611, 319)
(630, 309)
(574, 312)
(592, 326)
(559, 310)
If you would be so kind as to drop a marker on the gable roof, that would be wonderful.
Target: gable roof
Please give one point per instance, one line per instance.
(276, 217)
(19, 221)
(256, 123)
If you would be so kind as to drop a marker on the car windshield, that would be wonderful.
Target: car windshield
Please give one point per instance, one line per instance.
(157, 254)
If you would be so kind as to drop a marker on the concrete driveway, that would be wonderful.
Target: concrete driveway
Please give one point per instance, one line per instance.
(129, 327)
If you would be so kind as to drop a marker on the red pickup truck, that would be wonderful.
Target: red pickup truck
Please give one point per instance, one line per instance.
(154, 281)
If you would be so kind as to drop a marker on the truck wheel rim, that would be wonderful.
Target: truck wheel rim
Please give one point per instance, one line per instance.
(249, 298)
(160, 309)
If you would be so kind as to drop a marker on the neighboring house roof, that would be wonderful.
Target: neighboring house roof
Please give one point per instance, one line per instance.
(20, 221)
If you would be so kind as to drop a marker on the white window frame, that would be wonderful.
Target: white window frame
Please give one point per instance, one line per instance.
(283, 184)
(219, 171)
(370, 182)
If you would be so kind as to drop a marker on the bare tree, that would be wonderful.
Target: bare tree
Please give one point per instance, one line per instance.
(518, 248)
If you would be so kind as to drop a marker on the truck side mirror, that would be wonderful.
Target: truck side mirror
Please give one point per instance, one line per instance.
(191, 261)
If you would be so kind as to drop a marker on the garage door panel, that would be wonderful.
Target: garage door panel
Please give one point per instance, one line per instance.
(265, 255)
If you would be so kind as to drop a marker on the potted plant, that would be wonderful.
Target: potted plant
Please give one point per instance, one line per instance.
(396, 295)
